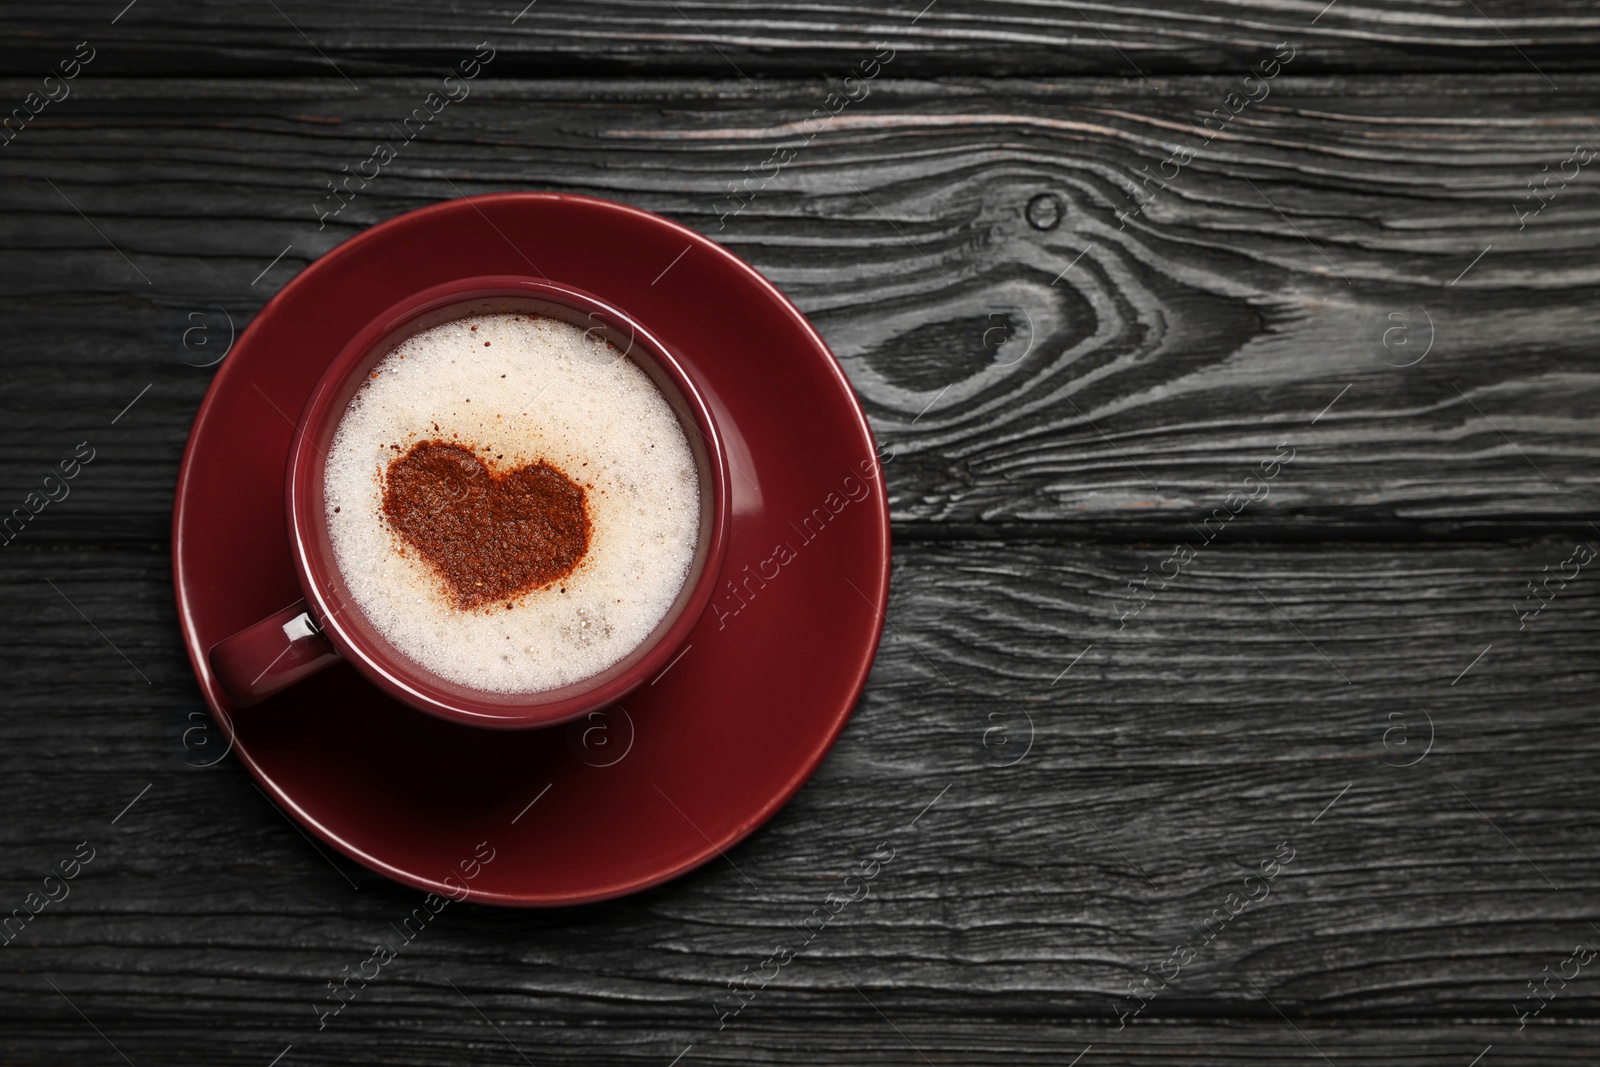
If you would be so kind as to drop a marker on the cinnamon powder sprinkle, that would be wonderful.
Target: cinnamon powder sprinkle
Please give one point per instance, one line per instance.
(489, 537)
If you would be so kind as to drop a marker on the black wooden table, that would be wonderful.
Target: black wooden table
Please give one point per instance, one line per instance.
(1237, 363)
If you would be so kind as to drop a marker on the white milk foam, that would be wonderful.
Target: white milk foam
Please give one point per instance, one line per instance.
(517, 390)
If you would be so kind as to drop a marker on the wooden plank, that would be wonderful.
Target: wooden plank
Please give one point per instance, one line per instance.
(853, 1034)
(738, 39)
(1028, 885)
(1273, 292)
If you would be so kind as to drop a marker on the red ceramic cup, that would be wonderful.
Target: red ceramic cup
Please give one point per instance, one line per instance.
(327, 626)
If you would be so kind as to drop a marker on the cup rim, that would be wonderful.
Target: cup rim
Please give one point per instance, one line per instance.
(342, 621)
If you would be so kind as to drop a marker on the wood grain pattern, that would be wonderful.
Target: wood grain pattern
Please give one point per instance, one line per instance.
(1171, 759)
(1076, 756)
(1160, 357)
(741, 39)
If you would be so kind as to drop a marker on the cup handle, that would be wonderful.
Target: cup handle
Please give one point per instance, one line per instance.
(272, 655)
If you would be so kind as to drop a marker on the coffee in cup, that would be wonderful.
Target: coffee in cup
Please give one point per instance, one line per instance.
(507, 504)
(511, 502)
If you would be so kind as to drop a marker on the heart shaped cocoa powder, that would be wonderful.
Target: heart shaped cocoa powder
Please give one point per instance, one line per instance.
(489, 537)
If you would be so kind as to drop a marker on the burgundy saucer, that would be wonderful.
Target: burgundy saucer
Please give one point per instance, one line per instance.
(687, 765)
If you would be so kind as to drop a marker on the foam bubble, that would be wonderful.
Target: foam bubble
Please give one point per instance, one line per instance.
(517, 390)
